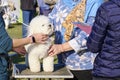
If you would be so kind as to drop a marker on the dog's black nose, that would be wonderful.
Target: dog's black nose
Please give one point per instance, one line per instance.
(49, 25)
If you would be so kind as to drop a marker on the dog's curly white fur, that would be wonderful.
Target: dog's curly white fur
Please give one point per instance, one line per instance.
(37, 52)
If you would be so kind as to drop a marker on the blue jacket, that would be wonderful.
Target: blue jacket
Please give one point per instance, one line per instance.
(5, 40)
(5, 47)
(105, 39)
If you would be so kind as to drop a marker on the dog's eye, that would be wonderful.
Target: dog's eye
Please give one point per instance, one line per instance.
(43, 25)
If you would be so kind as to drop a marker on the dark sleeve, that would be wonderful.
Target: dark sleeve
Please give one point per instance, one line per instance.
(97, 36)
(5, 40)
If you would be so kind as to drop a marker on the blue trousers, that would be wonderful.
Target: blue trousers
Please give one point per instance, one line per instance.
(28, 15)
(3, 69)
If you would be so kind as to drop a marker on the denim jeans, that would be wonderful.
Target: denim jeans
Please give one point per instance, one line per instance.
(3, 69)
(28, 15)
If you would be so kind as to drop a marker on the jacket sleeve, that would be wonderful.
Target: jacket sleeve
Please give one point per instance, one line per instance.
(99, 29)
(78, 40)
(5, 40)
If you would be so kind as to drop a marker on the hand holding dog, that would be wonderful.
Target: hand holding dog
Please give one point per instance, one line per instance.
(55, 49)
(59, 48)
(20, 50)
(40, 38)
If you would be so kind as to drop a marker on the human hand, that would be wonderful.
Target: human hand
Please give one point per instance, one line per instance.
(55, 49)
(40, 38)
(20, 50)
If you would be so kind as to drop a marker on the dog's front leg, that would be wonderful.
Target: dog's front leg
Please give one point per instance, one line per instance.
(48, 64)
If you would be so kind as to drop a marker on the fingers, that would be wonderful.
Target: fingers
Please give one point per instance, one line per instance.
(54, 50)
(44, 38)
(23, 52)
(40, 38)
(51, 54)
(20, 50)
(50, 51)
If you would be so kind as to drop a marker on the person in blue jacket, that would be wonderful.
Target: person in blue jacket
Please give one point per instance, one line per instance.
(8, 44)
(105, 40)
(46, 8)
(71, 52)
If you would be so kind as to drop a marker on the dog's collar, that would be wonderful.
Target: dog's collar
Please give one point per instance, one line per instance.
(52, 34)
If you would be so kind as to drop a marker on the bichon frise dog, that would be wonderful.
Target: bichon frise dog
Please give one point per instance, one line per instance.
(38, 52)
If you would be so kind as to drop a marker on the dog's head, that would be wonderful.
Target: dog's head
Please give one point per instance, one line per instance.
(40, 24)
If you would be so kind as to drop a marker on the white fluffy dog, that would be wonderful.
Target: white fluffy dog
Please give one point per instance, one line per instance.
(38, 52)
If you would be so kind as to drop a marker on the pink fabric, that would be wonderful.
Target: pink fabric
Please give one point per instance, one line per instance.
(84, 27)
